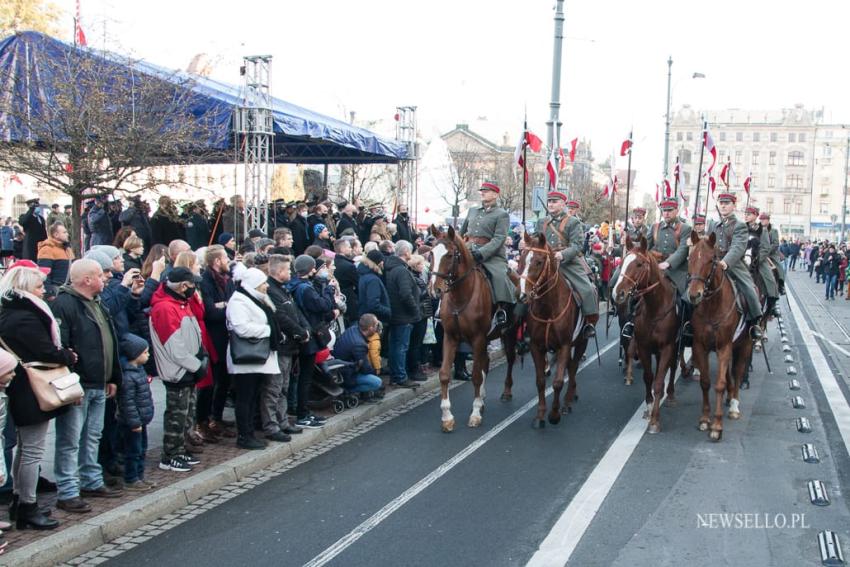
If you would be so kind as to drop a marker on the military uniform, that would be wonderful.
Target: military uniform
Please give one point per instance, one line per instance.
(569, 241)
(773, 252)
(671, 241)
(487, 230)
(732, 236)
(763, 266)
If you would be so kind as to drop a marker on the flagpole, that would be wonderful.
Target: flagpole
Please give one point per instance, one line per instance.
(676, 175)
(524, 167)
(699, 172)
(628, 180)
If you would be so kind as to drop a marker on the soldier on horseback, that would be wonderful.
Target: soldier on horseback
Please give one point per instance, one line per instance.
(761, 262)
(486, 228)
(774, 255)
(732, 236)
(564, 233)
(699, 226)
(638, 226)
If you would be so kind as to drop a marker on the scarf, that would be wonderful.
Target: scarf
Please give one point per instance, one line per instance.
(268, 308)
(42, 306)
(221, 280)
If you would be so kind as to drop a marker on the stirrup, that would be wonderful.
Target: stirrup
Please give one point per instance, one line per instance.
(628, 330)
(589, 331)
(755, 332)
(500, 317)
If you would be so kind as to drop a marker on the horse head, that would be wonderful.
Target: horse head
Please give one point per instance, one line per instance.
(702, 266)
(639, 268)
(536, 262)
(450, 260)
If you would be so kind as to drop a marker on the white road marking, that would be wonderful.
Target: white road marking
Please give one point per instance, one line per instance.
(834, 396)
(834, 345)
(838, 325)
(371, 523)
(564, 536)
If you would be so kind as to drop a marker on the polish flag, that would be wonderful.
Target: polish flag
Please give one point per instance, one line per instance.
(527, 138)
(747, 182)
(712, 184)
(677, 175)
(667, 189)
(708, 142)
(724, 173)
(79, 35)
(626, 147)
(610, 188)
(552, 170)
(573, 149)
(657, 193)
(562, 161)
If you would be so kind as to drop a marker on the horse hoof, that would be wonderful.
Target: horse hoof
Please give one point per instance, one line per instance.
(671, 402)
(734, 415)
(547, 372)
(448, 426)
(474, 421)
(507, 397)
(703, 426)
(628, 381)
(653, 428)
(538, 423)
(555, 419)
(715, 435)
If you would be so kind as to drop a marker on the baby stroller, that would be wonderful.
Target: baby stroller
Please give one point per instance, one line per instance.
(326, 390)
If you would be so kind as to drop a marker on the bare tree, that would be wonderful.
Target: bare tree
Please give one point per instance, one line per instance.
(365, 182)
(90, 124)
(20, 15)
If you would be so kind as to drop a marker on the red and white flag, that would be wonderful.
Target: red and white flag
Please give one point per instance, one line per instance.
(708, 141)
(610, 188)
(79, 35)
(573, 143)
(712, 184)
(725, 173)
(668, 191)
(626, 146)
(562, 161)
(747, 182)
(677, 175)
(529, 139)
(657, 193)
(552, 170)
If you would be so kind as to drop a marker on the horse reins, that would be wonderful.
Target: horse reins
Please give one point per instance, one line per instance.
(451, 280)
(638, 293)
(708, 293)
(550, 284)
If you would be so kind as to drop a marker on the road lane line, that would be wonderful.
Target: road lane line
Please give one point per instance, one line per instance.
(834, 396)
(838, 325)
(372, 522)
(833, 343)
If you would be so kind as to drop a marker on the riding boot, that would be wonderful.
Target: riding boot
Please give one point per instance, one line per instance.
(589, 330)
(628, 331)
(772, 308)
(755, 329)
(29, 516)
(500, 317)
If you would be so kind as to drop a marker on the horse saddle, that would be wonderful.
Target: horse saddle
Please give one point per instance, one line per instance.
(741, 307)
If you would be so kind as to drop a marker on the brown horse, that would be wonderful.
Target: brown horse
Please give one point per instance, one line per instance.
(465, 313)
(553, 324)
(715, 322)
(656, 324)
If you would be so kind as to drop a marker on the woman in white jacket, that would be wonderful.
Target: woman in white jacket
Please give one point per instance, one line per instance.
(250, 315)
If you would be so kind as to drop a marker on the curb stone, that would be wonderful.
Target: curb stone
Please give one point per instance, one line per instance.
(94, 532)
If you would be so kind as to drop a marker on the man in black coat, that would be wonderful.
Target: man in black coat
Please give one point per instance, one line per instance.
(348, 220)
(404, 228)
(346, 275)
(295, 329)
(35, 229)
(136, 216)
(404, 304)
(197, 226)
(300, 236)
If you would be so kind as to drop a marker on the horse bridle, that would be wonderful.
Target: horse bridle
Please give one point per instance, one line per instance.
(708, 292)
(637, 291)
(548, 283)
(449, 277)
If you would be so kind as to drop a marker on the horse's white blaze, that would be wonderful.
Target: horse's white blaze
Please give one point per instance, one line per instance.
(733, 406)
(446, 408)
(629, 259)
(522, 280)
(437, 254)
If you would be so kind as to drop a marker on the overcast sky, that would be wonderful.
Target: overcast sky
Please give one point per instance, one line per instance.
(460, 59)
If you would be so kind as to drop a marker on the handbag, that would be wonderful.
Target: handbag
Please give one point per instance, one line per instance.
(52, 384)
(322, 334)
(249, 351)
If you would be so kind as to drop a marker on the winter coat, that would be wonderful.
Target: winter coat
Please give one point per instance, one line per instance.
(404, 228)
(375, 352)
(58, 257)
(27, 329)
(175, 337)
(130, 262)
(80, 332)
(35, 230)
(300, 238)
(215, 318)
(100, 226)
(346, 275)
(247, 320)
(372, 295)
(135, 402)
(164, 228)
(141, 224)
(197, 231)
(425, 307)
(831, 264)
(324, 244)
(317, 307)
(292, 322)
(122, 305)
(353, 347)
(403, 292)
(346, 222)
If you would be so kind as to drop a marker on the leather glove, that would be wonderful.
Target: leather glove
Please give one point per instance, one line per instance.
(202, 369)
(476, 255)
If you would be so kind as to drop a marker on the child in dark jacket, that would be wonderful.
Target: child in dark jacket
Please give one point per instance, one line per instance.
(135, 411)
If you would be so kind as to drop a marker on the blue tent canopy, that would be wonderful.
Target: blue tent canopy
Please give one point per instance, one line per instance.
(301, 135)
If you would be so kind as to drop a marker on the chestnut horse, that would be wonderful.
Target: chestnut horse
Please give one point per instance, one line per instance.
(553, 323)
(465, 314)
(715, 322)
(656, 324)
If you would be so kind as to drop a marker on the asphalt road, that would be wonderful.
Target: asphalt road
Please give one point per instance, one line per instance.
(406, 494)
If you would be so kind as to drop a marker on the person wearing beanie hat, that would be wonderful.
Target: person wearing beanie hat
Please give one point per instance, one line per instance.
(102, 259)
(322, 237)
(226, 239)
(135, 411)
(251, 315)
(305, 264)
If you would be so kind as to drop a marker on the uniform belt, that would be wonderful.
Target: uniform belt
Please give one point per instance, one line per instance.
(479, 240)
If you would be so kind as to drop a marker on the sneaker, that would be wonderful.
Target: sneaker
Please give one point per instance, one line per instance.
(251, 443)
(280, 437)
(174, 464)
(308, 423)
(318, 419)
(189, 459)
(136, 486)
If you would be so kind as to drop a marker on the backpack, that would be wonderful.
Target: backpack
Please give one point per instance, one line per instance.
(321, 332)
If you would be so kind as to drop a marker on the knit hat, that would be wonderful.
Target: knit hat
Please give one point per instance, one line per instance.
(7, 362)
(180, 275)
(303, 264)
(253, 278)
(317, 230)
(132, 346)
(256, 233)
(375, 256)
(110, 251)
(101, 257)
(224, 238)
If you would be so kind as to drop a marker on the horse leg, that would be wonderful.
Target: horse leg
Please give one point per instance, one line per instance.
(646, 363)
(740, 362)
(671, 389)
(700, 358)
(509, 345)
(663, 361)
(630, 363)
(538, 353)
(572, 371)
(449, 351)
(563, 355)
(479, 366)
(724, 357)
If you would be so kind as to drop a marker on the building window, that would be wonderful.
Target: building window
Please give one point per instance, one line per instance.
(771, 181)
(738, 157)
(685, 156)
(723, 136)
(792, 138)
(690, 136)
(795, 158)
(739, 136)
(755, 182)
(774, 137)
(801, 137)
(798, 206)
(756, 137)
(19, 206)
(687, 176)
(721, 156)
(769, 204)
(824, 207)
(786, 206)
(755, 160)
(678, 136)
(827, 150)
(772, 159)
(794, 182)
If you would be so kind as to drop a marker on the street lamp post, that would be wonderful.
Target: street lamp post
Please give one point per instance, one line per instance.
(667, 118)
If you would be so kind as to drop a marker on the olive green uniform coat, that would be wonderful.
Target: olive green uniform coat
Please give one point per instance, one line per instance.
(572, 267)
(763, 266)
(662, 239)
(732, 236)
(493, 224)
